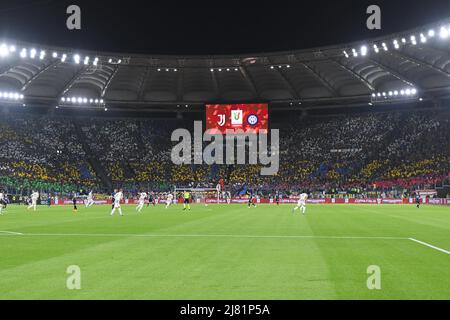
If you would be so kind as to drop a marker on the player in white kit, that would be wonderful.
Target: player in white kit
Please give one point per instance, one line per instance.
(90, 199)
(169, 200)
(301, 204)
(117, 198)
(142, 197)
(2, 199)
(34, 198)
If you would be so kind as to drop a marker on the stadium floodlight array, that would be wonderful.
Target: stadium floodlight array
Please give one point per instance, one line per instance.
(280, 66)
(7, 50)
(167, 69)
(11, 96)
(394, 95)
(82, 101)
(114, 60)
(224, 69)
(41, 54)
(443, 32)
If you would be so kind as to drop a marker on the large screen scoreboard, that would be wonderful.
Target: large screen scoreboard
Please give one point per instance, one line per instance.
(247, 117)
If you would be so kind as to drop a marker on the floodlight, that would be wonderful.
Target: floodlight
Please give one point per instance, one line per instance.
(444, 33)
(4, 51)
(363, 51)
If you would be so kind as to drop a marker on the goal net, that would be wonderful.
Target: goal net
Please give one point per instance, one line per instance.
(199, 195)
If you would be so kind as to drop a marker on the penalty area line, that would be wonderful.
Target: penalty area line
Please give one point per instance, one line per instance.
(430, 246)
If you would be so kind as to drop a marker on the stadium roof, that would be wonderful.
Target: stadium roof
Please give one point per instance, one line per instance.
(401, 67)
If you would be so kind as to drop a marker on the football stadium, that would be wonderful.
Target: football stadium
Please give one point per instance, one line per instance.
(310, 174)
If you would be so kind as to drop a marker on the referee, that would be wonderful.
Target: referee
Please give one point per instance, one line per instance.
(187, 199)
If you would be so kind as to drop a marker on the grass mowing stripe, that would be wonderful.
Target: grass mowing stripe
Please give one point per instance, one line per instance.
(11, 233)
(195, 236)
(430, 246)
(226, 252)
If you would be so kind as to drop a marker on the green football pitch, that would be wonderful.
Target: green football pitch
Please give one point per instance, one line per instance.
(226, 252)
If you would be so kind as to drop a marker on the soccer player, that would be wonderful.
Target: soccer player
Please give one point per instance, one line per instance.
(277, 199)
(2, 201)
(142, 197)
(228, 197)
(74, 201)
(251, 200)
(187, 199)
(34, 198)
(169, 200)
(301, 204)
(90, 199)
(418, 201)
(118, 196)
(151, 199)
(113, 194)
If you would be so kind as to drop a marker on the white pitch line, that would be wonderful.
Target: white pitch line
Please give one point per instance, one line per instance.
(203, 236)
(430, 246)
(11, 233)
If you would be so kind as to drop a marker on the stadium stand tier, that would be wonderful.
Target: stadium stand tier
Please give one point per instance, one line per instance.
(360, 154)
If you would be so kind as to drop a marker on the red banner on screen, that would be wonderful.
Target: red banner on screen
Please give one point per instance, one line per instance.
(247, 117)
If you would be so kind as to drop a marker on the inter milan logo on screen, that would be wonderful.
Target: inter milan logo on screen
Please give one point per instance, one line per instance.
(252, 119)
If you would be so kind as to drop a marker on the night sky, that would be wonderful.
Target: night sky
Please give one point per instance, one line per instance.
(216, 28)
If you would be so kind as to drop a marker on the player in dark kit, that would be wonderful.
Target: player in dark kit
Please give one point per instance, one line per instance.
(251, 200)
(277, 199)
(74, 201)
(112, 198)
(418, 201)
(151, 199)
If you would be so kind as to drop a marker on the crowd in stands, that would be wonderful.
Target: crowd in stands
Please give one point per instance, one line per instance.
(42, 152)
(360, 153)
